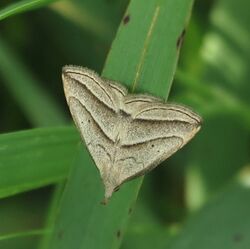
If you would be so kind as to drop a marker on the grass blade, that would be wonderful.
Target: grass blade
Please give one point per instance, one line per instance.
(22, 6)
(28, 91)
(223, 63)
(35, 158)
(148, 38)
(227, 215)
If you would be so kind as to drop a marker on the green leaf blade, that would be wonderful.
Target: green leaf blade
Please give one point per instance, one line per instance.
(223, 223)
(22, 6)
(82, 221)
(35, 158)
(37, 104)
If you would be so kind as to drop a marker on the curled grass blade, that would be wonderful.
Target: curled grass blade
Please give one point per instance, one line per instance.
(35, 158)
(22, 6)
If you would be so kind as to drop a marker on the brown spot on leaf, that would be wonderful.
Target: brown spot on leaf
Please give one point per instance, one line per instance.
(60, 234)
(181, 38)
(130, 210)
(104, 202)
(238, 237)
(126, 19)
(118, 234)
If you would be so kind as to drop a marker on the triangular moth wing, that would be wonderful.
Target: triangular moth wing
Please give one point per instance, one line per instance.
(98, 96)
(126, 135)
(94, 104)
(155, 131)
(159, 120)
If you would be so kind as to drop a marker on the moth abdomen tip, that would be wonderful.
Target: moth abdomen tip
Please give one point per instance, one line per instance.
(104, 201)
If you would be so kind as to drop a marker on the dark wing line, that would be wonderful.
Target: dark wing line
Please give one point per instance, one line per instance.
(96, 83)
(78, 82)
(150, 140)
(194, 118)
(167, 108)
(153, 165)
(117, 88)
(132, 158)
(141, 99)
(109, 156)
(161, 120)
(96, 123)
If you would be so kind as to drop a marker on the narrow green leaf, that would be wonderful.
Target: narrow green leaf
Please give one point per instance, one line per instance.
(22, 6)
(224, 62)
(29, 233)
(97, 17)
(35, 158)
(37, 104)
(143, 56)
(222, 224)
(146, 237)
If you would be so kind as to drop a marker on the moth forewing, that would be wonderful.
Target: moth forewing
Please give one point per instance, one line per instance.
(126, 134)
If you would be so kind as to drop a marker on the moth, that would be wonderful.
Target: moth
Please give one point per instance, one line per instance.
(126, 134)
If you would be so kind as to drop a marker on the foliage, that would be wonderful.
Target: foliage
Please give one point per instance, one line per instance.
(199, 199)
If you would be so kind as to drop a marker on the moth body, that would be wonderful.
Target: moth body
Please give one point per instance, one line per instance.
(126, 134)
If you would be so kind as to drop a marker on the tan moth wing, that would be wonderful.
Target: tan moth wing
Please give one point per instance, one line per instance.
(94, 105)
(127, 135)
(155, 131)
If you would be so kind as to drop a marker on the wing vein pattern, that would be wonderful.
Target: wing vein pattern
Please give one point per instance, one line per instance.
(127, 135)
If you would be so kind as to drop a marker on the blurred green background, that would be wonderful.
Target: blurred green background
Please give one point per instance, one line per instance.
(200, 198)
